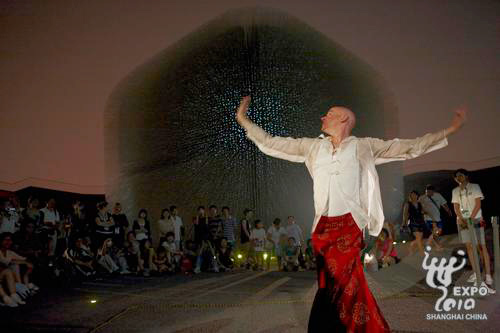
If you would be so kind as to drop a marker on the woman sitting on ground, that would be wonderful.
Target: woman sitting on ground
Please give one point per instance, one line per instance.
(15, 262)
(8, 287)
(386, 252)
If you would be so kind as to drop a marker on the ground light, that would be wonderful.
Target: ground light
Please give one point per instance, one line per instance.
(240, 256)
(265, 256)
(93, 301)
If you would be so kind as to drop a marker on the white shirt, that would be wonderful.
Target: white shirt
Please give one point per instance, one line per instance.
(368, 212)
(50, 215)
(294, 230)
(466, 198)
(431, 208)
(9, 223)
(276, 234)
(177, 227)
(260, 238)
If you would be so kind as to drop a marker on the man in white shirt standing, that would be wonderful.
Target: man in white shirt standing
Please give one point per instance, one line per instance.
(466, 199)
(178, 226)
(347, 199)
(432, 202)
(51, 221)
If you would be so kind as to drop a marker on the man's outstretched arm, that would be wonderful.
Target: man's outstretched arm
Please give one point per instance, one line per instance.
(295, 150)
(402, 149)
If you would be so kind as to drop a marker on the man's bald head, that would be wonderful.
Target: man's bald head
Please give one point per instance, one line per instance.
(338, 119)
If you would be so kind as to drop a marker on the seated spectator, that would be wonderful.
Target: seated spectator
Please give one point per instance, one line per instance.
(291, 256)
(258, 238)
(8, 288)
(16, 263)
(160, 262)
(28, 243)
(133, 254)
(207, 257)
(148, 253)
(224, 255)
(141, 227)
(310, 257)
(173, 252)
(104, 258)
(80, 257)
(386, 252)
(190, 254)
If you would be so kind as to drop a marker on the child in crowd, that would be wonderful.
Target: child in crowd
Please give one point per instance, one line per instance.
(189, 257)
(291, 256)
(386, 252)
(160, 262)
(173, 252)
(310, 257)
(258, 237)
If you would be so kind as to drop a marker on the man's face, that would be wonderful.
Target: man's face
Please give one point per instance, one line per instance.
(174, 211)
(334, 120)
(51, 204)
(291, 220)
(213, 211)
(460, 178)
(429, 193)
(225, 212)
(118, 209)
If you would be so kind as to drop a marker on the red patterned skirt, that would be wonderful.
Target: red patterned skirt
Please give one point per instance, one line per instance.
(343, 302)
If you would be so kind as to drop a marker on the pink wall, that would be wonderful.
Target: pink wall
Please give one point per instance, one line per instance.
(60, 60)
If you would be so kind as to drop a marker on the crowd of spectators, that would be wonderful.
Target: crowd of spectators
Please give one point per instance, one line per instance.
(74, 244)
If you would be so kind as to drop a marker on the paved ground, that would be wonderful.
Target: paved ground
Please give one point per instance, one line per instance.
(232, 302)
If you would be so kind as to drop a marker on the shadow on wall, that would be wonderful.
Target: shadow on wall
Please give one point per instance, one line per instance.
(171, 136)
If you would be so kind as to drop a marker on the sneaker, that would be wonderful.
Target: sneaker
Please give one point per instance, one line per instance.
(9, 301)
(491, 291)
(197, 270)
(472, 278)
(17, 299)
(125, 271)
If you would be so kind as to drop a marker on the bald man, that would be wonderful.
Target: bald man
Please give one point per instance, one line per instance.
(346, 200)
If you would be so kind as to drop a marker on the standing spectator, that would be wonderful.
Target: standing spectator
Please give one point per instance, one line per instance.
(291, 256)
(432, 202)
(386, 252)
(178, 226)
(215, 221)
(200, 225)
(9, 218)
(121, 225)
(165, 224)
(466, 199)
(245, 231)
(141, 226)
(413, 216)
(207, 255)
(32, 213)
(51, 220)
(258, 238)
(79, 219)
(104, 225)
(224, 255)
(229, 227)
(274, 236)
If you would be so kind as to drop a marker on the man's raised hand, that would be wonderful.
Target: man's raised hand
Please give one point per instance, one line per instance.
(458, 120)
(241, 112)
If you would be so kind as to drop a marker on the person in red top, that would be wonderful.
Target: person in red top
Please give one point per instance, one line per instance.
(386, 252)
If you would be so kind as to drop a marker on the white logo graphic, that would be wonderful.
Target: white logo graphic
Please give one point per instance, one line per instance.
(439, 276)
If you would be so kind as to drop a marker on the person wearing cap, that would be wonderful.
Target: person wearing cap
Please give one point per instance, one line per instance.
(347, 201)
